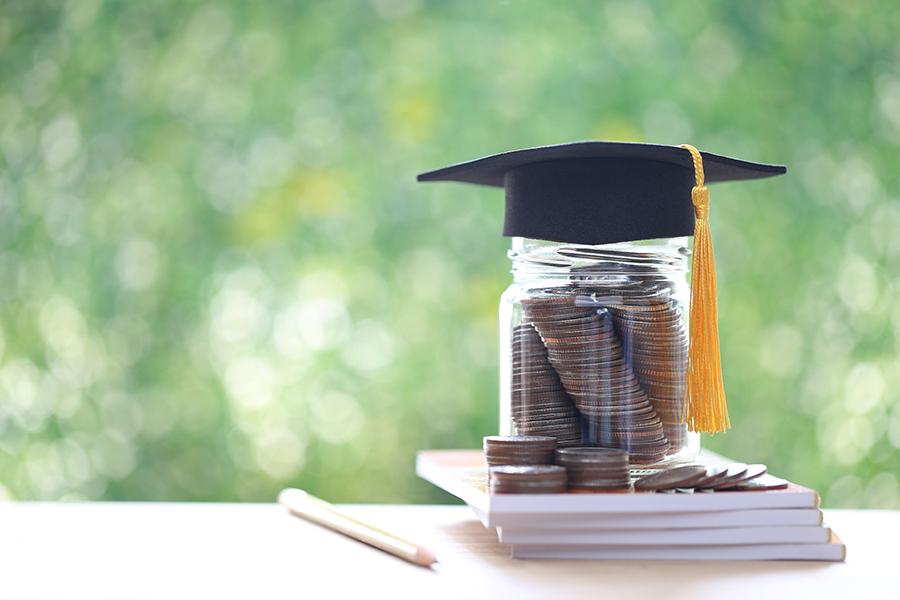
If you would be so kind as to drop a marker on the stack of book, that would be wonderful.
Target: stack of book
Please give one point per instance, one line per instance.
(772, 524)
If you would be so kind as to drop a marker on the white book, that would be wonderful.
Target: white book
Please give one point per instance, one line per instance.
(728, 536)
(684, 520)
(832, 551)
(462, 473)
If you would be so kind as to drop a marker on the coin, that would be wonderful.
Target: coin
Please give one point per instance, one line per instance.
(668, 479)
(734, 473)
(626, 427)
(714, 474)
(592, 455)
(518, 441)
(765, 482)
(530, 479)
(751, 472)
(595, 469)
(519, 450)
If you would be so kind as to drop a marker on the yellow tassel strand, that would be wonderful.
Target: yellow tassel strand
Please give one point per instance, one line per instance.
(704, 407)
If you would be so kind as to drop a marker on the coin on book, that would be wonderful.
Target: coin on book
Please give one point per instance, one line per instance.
(763, 483)
(669, 479)
(749, 474)
(528, 479)
(519, 450)
(591, 454)
(714, 475)
(595, 469)
(734, 472)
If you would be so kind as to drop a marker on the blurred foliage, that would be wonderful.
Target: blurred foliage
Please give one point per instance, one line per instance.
(218, 277)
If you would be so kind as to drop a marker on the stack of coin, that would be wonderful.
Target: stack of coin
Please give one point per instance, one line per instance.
(595, 469)
(540, 405)
(537, 479)
(585, 351)
(519, 450)
(655, 345)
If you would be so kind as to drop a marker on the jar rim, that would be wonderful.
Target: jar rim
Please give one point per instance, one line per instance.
(539, 258)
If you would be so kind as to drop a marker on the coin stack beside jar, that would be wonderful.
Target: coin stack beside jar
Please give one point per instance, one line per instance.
(528, 479)
(519, 450)
(595, 469)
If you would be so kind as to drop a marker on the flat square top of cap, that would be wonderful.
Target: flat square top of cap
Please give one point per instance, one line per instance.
(491, 170)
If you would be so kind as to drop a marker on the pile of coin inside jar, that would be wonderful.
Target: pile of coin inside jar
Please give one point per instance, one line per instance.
(601, 366)
(533, 465)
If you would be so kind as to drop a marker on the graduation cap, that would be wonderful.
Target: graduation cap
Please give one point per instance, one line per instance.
(596, 192)
(599, 192)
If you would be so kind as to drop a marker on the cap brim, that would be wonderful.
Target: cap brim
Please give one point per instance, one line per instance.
(491, 170)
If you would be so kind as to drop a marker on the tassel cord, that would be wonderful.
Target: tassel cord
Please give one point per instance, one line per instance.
(704, 408)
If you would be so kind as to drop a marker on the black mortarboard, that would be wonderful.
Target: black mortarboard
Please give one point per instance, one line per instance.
(599, 192)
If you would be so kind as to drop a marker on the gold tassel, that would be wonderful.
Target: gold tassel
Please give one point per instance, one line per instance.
(704, 407)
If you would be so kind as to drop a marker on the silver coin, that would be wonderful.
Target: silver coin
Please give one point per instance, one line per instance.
(678, 477)
(752, 472)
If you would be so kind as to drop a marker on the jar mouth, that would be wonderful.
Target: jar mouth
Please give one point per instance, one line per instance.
(538, 258)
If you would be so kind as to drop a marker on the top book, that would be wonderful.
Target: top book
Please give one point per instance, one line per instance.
(462, 473)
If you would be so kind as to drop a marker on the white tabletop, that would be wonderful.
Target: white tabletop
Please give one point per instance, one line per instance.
(144, 550)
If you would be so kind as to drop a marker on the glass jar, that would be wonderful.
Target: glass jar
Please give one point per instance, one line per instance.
(593, 346)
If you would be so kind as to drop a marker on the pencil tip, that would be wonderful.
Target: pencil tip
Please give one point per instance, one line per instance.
(425, 557)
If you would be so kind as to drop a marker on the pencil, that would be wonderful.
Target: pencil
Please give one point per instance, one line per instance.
(307, 506)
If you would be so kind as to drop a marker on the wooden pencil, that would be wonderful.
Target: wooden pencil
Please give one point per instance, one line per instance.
(307, 506)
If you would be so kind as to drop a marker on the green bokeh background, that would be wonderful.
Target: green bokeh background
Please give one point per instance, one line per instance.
(218, 276)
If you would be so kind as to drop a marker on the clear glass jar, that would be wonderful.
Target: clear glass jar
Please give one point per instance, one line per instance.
(593, 346)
